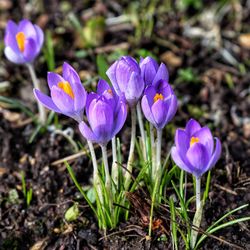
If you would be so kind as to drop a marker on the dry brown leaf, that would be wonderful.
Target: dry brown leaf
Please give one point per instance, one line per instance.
(244, 40)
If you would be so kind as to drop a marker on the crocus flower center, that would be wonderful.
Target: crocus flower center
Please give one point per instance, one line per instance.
(194, 140)
(110, 91)
(20, 38)
(158, 97)
(65, 86)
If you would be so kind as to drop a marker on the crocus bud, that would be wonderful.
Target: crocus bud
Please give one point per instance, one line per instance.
(106, 115)
(125, 76)
(68, 95)
(151, 72)
(159, 104)
(194, 150)
(23, 42)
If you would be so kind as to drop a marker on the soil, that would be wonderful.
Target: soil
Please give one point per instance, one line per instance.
(217, 93)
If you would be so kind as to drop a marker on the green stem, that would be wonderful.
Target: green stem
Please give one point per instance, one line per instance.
(142, 131)
(96, 177)
(36, 85)
(106, 168)
(131, 150)
(158, 153)
(198, 192)
(115, 166)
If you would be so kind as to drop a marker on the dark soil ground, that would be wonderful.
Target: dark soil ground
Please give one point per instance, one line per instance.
(209, 70)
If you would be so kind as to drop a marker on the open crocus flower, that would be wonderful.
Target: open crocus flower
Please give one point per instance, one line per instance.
(68, 96)
(125, 76)
(194, 149)
(159, 104)
(151, 72)
(23, 42)
(106, 114)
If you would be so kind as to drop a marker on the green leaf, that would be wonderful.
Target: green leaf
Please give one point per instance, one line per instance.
(102, 66)
(72, 213)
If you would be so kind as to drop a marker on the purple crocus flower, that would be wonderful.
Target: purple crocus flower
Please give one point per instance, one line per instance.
(159, 104)
(151, 72)
(106, 114)
(125, 76)
(194, 149)
(23, 42)
(68, 96)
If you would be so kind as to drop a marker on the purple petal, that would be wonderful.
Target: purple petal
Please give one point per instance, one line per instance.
(87, 132)
(162, 73)
(150, 93)
(146, 109)
(148, 69)
(102, 86)
(164, 88)
(29, 53)
(205, 138)
(90, 97)
(120, 117)
(179, 162)
(54, 79)
(62, 100)
(69, 74)
(216, 155)
(80, 96)
(101, 120)
(192, 126)
(134, 88)
(111, 73)
(173, 105)
(46, 100)
(11, 27)
(13, 56)
(198, 157)
(182, 141)
(39, 37)
(159, 110)
(28, 29)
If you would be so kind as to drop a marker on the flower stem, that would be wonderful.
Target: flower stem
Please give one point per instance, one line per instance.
(142, 131)
(152, 142)
(198, 192)
(158, 153)
(106, 168)
(115, 166)
(96, 177)
(36, 84)
(131, 150)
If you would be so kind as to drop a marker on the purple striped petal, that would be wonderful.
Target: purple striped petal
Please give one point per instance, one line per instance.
(53, 79)
(159, 110)
(28, 29)
(111, 73)
(149, 69)
(29, 51)
(192, 127)
(146, 108)
(205, 138)
(216, 155)
(102, 86)
(69, 74)
(182, 141)
(13, 56)
(62, 100)
(173, 105)
(39, 36)
(162, 74)
(198, 156)
(179, 162)
(120, 118)
(46, 100)
(87, 132)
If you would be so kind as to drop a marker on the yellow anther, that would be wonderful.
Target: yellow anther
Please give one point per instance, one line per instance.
(158, 97)
(110, 91)
(194, 140)
(20, 38)
(65, 86)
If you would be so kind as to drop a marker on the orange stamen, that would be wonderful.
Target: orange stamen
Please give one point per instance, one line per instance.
(65, 86)
(110, 91)
(194, 140)
(158, 97)
(20, 38)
